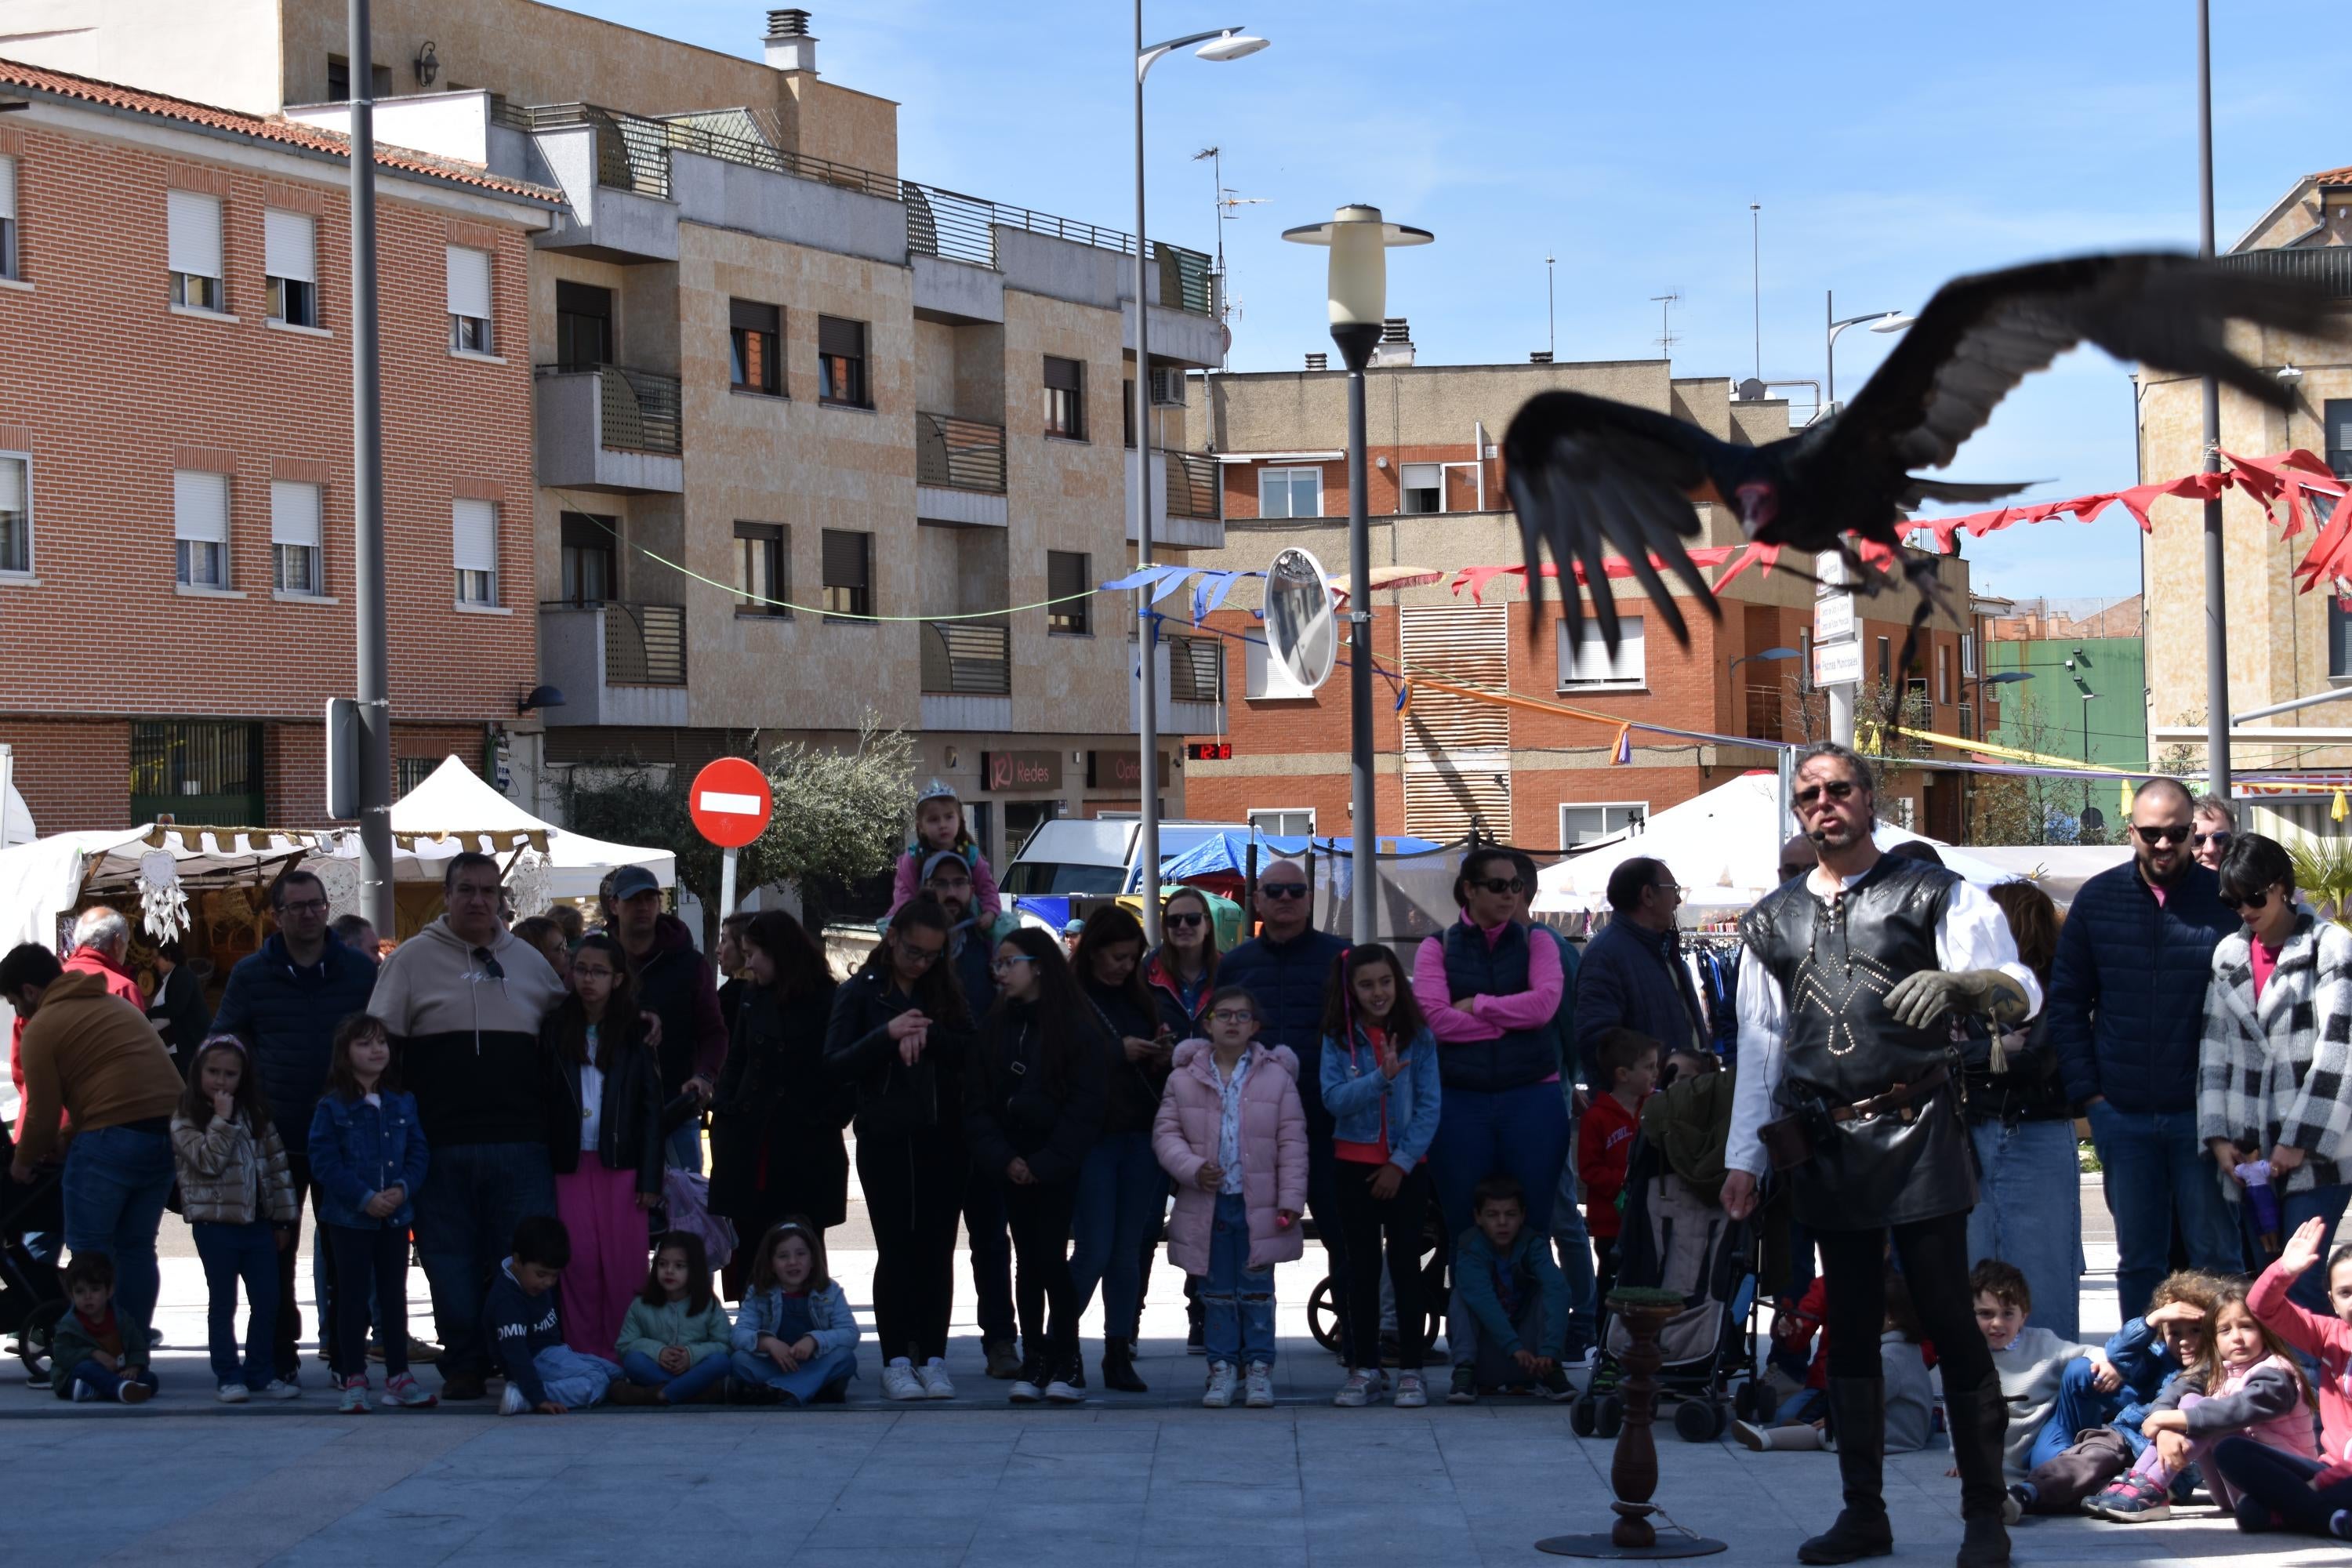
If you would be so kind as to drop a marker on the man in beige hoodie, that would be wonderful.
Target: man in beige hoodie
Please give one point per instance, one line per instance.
(96, 1058)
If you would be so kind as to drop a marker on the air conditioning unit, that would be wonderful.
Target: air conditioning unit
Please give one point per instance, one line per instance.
(1167, 387)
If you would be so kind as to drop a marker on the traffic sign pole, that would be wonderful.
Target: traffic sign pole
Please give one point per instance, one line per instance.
(730, 803)
(727, 883)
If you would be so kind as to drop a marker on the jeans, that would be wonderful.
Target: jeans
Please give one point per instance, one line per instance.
(1121, 1191)
(2080, 1408)
(371, 1280)
(2157, 1170)
(1040, 1217)
(103, 1384)
(231, 1252)
(2030, 1213)
(834, 1369)
(1574, 1244)
(678, 1387)
(1237, 1325)
(1491, 1365)
(115, 1182)
(572, 1380)
(992, 1255)
(2281, 1482)
(466, 1211)
(1522, 1130)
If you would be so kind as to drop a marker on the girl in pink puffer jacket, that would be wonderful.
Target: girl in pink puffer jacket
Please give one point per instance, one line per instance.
(1231, 1131)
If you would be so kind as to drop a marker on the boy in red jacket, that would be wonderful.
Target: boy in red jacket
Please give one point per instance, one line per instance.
(1628, 1061)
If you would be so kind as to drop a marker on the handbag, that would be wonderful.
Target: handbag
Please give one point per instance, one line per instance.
(688, 1198)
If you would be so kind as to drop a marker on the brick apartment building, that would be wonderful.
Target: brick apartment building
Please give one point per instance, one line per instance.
(175, 454)
(1436, 502)
(771, 379)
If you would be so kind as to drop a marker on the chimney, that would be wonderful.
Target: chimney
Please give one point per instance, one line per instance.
(1540, 356)
(790, 43)
(1318, 362)
(1395, 346)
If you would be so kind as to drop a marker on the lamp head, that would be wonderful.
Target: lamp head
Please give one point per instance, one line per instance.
(1892, 321)
(1359, 238)
(1230, 45)
(539, 697)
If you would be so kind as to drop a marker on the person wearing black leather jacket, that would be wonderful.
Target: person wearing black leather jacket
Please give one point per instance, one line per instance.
(897, 1037)
(1122, 1192)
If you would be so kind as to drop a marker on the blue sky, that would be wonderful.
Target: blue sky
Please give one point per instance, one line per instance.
(1890, 146)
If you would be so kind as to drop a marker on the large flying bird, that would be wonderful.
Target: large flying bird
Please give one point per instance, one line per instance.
(1585, 472)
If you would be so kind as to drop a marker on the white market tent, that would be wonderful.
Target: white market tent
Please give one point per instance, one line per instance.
(454, 809)
(1724, 846)
(16, 822)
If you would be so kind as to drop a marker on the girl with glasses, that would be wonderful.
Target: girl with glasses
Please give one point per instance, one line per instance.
(1032, 1108)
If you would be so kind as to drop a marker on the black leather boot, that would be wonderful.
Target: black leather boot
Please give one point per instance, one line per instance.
(1858, 1416)
(1979, 1422)
(1118, 1367)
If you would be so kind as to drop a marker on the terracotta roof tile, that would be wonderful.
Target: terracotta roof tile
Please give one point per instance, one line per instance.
(87, 89)
(2333, 176)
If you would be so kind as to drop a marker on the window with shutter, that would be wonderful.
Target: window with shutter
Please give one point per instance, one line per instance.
(8, 264)
(762, 570)
(193, 249)
(2336, 420)
(474, 550)
(1589, 663)
(1424, 485)
(469, 300)
(587, 541)
(1456, 749)
(841, 362)
(289, 262)
(15, 513)
(848, 572)
(754, 331)
(294, 537)
(1065, 400)
(200, 528)
(1067, 574)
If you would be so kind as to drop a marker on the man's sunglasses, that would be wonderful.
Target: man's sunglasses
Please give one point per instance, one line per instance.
(1499, 885)
(1836, 789)
(1184, 921)
(1282, 889)
(2218, 838)
(2162, 833)
(2255, 900)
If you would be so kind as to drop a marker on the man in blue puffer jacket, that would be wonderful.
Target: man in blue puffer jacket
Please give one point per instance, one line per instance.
(1287, 966)
(284, 1002)
(2126, 1015)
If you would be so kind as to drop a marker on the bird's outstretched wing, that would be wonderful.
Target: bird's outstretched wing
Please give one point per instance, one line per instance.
(1981, 335)
(1584, 472)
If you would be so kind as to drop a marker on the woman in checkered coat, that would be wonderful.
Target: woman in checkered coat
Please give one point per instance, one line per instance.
(2274, 1073)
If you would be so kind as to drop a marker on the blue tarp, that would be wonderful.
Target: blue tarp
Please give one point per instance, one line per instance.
(1229, 852)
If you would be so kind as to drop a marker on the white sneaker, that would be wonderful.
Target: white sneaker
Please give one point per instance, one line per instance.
(279, 1388)
(1356, 1392)
(513, 1401)
(1259, 1386)
(233, 1393)
(933, 1375)
(1061, 1390)
(899, 1381)
(1219, 1392)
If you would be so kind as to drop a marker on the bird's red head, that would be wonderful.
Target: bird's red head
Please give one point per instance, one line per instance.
(1759, 504)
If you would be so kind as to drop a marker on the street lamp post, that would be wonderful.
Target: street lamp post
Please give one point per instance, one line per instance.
(1219, 45)
(2217, 604)
(1841, 694)
(1357, 287)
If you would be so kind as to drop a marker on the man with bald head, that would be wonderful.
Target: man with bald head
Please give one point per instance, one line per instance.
(2126, 1010)
(1286, 967)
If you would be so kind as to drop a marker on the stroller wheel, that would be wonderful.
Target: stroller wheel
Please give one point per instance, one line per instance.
(1610, 1418)
(1323, 1316)
(36, 1336)
(1694, 1421)
(1579, 1418)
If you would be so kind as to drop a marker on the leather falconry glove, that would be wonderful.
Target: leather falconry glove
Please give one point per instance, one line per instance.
(1918, 999)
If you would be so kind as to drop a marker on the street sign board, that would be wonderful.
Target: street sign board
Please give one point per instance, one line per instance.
(1837, 664)
(730, 802)
(1833, 618)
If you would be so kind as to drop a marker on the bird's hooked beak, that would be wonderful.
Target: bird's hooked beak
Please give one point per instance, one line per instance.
(1759, 503)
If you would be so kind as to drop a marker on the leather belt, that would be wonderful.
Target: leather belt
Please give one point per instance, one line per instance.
(1901, 1100)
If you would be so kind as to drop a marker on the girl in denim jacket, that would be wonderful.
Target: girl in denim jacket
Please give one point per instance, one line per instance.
(794, 1332)
(368, 1158)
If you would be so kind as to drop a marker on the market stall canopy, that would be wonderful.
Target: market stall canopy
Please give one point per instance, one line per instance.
(2058, 870)
(1724, 846)
(454, 809)
(15, 821)
(1226, 854)
(55, 876)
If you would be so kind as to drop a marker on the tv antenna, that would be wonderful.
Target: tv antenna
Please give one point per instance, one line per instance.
(1551, 318)
(1666, 339)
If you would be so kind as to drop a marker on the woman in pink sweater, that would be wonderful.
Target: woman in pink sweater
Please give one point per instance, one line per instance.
(1231, 1131)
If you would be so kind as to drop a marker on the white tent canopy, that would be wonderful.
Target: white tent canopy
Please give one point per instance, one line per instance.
(15, 821)
(1724, 846)
(454, 809)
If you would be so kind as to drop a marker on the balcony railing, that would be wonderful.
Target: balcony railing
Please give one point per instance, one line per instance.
(962, 454)
(1196, 669)
(1192, 485)
(633, 155)
(967, 659)
(644, 645)
(2330, 267)
(640, 408)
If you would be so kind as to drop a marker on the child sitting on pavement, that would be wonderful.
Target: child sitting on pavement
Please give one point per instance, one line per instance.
(2031, 1361)
(1507, 1325)
(1910, 1397)
(2151, 1352)
(520, 1321)
(87, 1350)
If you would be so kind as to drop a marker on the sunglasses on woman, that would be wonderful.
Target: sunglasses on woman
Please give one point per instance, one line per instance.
(1499, 885)
(2255, 900)
(1184, 922)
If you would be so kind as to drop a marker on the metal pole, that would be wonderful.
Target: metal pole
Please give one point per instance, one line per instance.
(1828, 342)
(2217, 607)
(367, 496)
(1755, 277)
(1365, 901)
(1147, 641)
(727, 883)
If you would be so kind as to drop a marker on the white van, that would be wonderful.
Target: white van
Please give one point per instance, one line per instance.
(1068, 856)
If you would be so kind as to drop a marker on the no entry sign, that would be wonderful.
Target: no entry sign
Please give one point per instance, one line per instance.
(729, 803)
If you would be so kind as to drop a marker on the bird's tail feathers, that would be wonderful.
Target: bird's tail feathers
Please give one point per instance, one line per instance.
(1957, 491)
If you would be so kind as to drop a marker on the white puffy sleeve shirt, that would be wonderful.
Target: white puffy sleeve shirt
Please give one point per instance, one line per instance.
(1973, 934)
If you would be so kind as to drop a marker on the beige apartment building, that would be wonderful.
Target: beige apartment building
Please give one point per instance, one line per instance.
(2283, 643)
(1436, 504)
(813, 440)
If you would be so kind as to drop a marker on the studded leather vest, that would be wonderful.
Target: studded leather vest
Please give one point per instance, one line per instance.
(1836, 961)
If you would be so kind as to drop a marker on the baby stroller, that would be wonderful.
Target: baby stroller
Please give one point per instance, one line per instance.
(31, 1298)
(1677, 1236)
